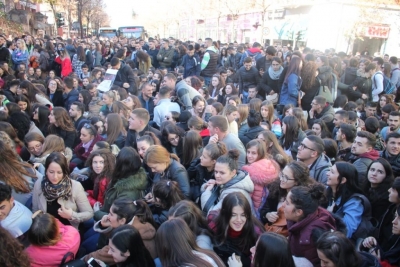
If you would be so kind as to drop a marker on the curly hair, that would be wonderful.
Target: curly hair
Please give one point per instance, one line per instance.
(308, 75)
(11, 251)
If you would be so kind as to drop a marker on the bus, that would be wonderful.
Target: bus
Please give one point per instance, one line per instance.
(108, 33)
(132, 32)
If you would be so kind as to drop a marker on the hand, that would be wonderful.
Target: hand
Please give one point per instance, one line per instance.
(272, 92)
(272, 216)
(311, 112)
(369, 242)
(376, 253)
(36, 165)
(149, 198)
(364, 96)
(234, 262)
(331, 207)
(105, 221)
(125, 85)
(210, 185)
(97, 206)
(354, 88)
(213, 139)
(65, 213)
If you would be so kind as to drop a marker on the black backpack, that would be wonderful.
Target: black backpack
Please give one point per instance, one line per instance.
(368, 225)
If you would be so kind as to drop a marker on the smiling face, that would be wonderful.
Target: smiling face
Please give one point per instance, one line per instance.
(173, 139)
(22, 105)
(54, 173)
(286, 178)
(199, 107)
(238, 219)
(333, 177)
(376, 174)
(142, 147)
(117, 255)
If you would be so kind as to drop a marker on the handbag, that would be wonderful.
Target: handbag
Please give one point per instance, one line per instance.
(280, 226)
(71, 262)
(273, 98)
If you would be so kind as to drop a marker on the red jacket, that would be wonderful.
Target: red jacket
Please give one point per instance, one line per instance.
(66, 66)
(79, 151)
(103, 183)
(51, 256)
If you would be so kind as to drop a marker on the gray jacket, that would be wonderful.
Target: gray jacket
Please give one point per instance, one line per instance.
(319, 168)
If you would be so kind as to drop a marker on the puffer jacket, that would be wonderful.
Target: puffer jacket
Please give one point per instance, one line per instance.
(80, 152)
(131, 187)
(262, 173)
(103, 183)
(241, 182)
(300, 234)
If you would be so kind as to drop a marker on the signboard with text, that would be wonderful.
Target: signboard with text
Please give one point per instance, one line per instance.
(375, 31)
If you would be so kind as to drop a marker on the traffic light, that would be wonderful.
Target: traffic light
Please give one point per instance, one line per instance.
(60, 21)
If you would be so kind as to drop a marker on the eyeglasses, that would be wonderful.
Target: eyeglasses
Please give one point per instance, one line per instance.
(302, 146)
(314, 104)
(176, 138)
(284, 178)
(37, 147)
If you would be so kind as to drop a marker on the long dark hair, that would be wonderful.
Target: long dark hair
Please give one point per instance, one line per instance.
(294, 67)
(381, 191)
(292, 131)
(80, 54)
(43, 118)
(175, 245)
(273, 250)
(168, 193)
(127, 208)
(307, 198)
(128, 163)
(32, 91)
(192, 144)
(12, 251)
(126, 238)
(248, 237)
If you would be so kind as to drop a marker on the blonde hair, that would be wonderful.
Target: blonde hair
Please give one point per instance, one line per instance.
(53, 143)
(158, 154)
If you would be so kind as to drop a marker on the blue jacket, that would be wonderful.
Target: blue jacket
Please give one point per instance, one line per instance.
(70, 98)
(351, 214)
(290, 90)
(19, 57)
(191, 65)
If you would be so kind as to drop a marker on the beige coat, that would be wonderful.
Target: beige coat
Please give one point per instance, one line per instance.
(78, 202)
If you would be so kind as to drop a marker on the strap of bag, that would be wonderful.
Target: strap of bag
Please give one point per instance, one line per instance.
(66, 256)
(367, 205)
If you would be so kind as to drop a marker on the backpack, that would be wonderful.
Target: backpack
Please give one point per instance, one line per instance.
(367, 226)
(325, 92)
(391, 73)
(253, 58)
(388, 86)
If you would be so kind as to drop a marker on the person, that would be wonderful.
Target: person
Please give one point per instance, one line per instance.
(345, 137)
(248, 77)
(55, 93)
(303, 215)
(392, 151)
(310, 151)
(62, 126)
(192, 147)
(292, 136)
(268, 116)
(322, 110)
(363, 153)
(164, 105)
(235, 228)
(116, 133)
(177, 246)
(76, 113)
(262, 170)
(12, 251)
(128, 180)
(52, 143)
(228, 178)
(34, 142)
(14, 216)
(393, 125)
(320, 129)
(376, 187)
(209, 63)
(269, 83)
(292, 82)
(191, 63)
(34, 94)
(20, 55)
(64, 60)
(166, 166)
(125, 77)
(146, 98)
(183, 91)
(387, 256)
(165, 54)
(273, 147)
(58, 195)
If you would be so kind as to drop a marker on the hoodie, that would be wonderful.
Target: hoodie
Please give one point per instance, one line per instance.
(319, 168)
(361, 162)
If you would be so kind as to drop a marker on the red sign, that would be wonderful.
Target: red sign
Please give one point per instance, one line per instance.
(377, 31)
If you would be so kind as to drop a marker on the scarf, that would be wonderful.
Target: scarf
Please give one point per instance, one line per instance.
(54, 191)
(275, 74)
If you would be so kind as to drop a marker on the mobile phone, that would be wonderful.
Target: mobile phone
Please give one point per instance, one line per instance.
(93, 263)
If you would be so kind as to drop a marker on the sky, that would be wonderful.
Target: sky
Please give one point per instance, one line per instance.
(120, 12)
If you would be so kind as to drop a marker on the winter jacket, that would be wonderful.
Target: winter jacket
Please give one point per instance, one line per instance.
(209, 63)
(350, 212)
(241, 182)
(70, 98)
(234, 61)
(379, 199)
(51, 256)
(132, 187)
(19, 57)
(191, 66)
(264, 63)
(253, 52)
(250, 134)
(327, 115)
(5, 55)
(185, 93)
(319, 168)
(103, 183)
(153, 55)
(325, 75)
(68, 136)
(80, 152)
(78, 202)
(267, 84)
(132, 135)
(350, 75)
(125, 75)
(175, 172)
(97, 57)
(198, 175)
(362, 162)
(363, 86)
(89, 59)
(58, 99)
(393, 160)
(44, 61)
(262, 173)
(290, 90)
(66, 66)
(247, 78)
(164, 57)
(300, 234)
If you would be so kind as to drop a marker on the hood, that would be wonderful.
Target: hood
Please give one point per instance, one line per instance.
(321, 218)
(262, 172)
(137, 181)
(146, 230)
(373, 155)
(254, 50)
(254, 131)
(328, 109)
(241, 181)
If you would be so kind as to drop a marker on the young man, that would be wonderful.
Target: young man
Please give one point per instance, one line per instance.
(164, 106)
(253, 93)
(341, 116)
(182, 90)
(393, 124)
(248, 76)
(209, 63)
(70, 94)
(76, 113)
(125, 77)
(320, 109)
(146, 98)
(191, 63)
(392, 152)
(345, 136)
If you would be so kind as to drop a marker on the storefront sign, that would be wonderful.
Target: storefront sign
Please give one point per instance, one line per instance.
(376, 31)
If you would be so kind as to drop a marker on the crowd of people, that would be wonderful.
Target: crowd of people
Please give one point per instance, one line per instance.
(200, 154)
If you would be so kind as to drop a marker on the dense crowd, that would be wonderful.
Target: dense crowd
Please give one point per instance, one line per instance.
(200, 154)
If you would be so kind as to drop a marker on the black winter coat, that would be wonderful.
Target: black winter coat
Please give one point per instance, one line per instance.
(247, 78)
(125, 75)
(198, 175)
(267, 84)
(250, 134)
(364, 86)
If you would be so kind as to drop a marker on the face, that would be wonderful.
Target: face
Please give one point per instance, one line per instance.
(291, 213)
(238, 219)
(382, 101)
(360, 146)
(107, 100)
(157, 167)
(211, 129)
(142, 147)
(385, 116)
(54, 173)
(22, 105)
(393, 195)
(233, 116)
(247, 66)
(338, 120)
(396, 225)
(85, 82)
(284, 127)
(52, 86)
(5, 208)
(286, 178)
(339, 135)
(306, 150)
(232, 102)
(100, 127)
(52, 119)
(252, 92)
(173, 139)
(73, 111)
(206, 160)
(168, 82)
(134, 122)
(317, 129)
(252, 154)
(394, 122)
(289, 112)
(36, 114)
(148, 91)
(393, 146)
(325, 262)
(98, 164)
(38, 72)
(199, 107)
(376, 174)
(228, 89)
(333, 177)
(117, 255)
(31, 71)
(80, 98)
(275, 65)
(35, 147)
(85, 135)
(215, 81)
(370, 111)
(318, 62)
(223, 174)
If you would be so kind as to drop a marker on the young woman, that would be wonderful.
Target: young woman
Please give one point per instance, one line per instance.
(55, 93)
(166, 166)
(198, 125)
(228, 179)
(177, 247)
(234, 100)
(101, 163)
(227, 92)
(262, 171)
(270, 79)
(61, 125)
(216, 84)
(95, 76)
(236, 229)
(24, 104)
(198, 104)
(64, 60)
(12, 251)
(144, 61)
(292, 136)
(231, 113)
(292, 83)
(145, 141)
(383, 100)
(128, 180)
(343, 183)
(34, 142)
(320, 129)
(192, 146)
(253, 122)
(268, 116)
(20, 54)
(50, 240)
(191, 214)
(299, 114)
(273, 148)
(78, 60)
(172, 139)
(60, 196)
(116, 133)
(52, 143)
(303, 215)
(108, 99)
(376, 188)
(34, 94)
(85, 98)
(165, 194)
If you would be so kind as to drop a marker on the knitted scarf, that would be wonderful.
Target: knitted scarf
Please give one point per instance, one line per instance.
(54, 191)
(275, 74)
